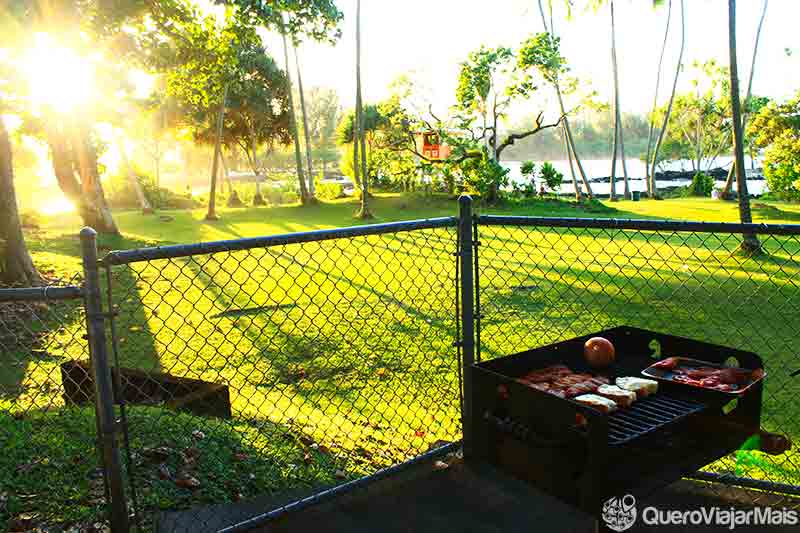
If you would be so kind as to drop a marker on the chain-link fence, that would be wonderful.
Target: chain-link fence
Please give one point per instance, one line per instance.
(254, 376)
(542, 281)
(260, 368)
(49, 471)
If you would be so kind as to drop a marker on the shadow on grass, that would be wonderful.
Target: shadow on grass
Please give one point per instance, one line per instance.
(50, 461)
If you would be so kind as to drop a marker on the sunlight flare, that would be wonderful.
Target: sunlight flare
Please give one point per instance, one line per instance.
(59, 78)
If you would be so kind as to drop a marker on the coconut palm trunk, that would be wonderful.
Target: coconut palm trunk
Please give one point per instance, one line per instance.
(726, 191)
(750, 242)
(298, 159)
(651, 128)
(567, 128)
(16, 265)
(578, 195)
(359, 126)
(305, 125)
(665, 122)
(618, 133)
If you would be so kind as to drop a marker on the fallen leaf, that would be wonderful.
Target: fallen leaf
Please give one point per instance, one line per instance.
(163, 472)
(160, 453)
(307, 458)
(188, 482)
(340, 474)
(199, 435)
(440, 465)
(419, 433)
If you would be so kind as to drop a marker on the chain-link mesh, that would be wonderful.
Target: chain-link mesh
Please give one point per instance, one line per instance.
(49, 475)
(540, 285)
(284, 369)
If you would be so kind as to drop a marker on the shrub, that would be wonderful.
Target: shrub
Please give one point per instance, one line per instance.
(702, 185)
(551, 176)
(329, 191)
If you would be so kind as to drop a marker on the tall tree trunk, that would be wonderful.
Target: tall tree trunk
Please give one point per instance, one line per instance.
(17, 266)
(258, 199)
(147, 209)
(651, 127)
(726, 192)
(305, 124)
(578, 196)
(364, 212)
(570, 140)
(750, 242)
(662, 131)
(99, 213)
(618, 137)
(226, 175)
(305, 199)
(212, 193)
(614, 151)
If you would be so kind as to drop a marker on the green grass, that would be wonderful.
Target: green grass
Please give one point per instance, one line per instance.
(346, 346)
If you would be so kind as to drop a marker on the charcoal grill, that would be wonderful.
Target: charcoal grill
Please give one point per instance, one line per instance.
(585, 457)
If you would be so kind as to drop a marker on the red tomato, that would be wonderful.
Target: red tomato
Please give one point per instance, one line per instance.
(599, 352)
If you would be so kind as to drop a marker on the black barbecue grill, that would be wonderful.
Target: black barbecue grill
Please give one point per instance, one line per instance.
(583, 456)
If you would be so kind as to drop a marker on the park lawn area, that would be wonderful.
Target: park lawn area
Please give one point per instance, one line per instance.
(346, 347)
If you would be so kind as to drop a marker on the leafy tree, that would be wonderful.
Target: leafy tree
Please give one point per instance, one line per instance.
(700, 122)
(296, 19)
(542, 53)
(324, 112)
(776, 128)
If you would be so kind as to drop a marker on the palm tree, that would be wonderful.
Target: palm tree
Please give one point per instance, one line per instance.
(662, 131)
(655, 100)
(578, 196)
(298, 159)
(567, 128)
(750, 242)
(617, 116)
(305, 124)
(726, 192)
(358, 133)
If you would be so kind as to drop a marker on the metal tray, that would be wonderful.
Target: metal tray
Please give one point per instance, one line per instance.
(664, 374)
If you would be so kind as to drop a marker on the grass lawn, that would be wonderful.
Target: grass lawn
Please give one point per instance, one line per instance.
(339, 355)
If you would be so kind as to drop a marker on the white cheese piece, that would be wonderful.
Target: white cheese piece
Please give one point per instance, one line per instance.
(621, 396)
(598, 402)
(642, 387)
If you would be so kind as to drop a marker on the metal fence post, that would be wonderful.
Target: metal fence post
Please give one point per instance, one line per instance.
(103, 390)
(467, 315)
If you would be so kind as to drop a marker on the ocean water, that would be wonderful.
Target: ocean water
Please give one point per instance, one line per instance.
(636, 172)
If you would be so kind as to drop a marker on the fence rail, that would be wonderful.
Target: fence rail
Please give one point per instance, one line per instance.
(309, 364)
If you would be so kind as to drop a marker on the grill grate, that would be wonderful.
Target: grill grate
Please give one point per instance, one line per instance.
(647, 415)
